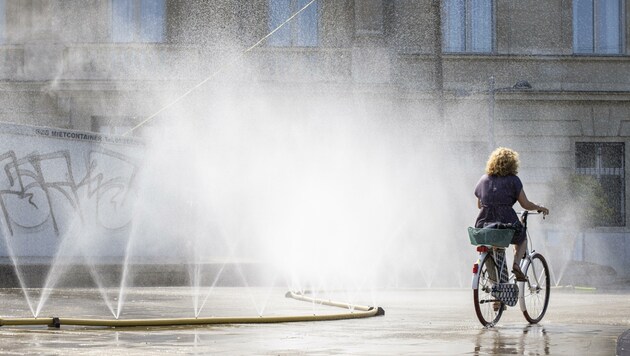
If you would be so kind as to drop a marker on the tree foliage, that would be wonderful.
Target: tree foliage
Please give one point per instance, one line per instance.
(580, 200)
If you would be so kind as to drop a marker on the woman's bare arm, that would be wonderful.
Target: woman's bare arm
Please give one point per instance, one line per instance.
(528, 205)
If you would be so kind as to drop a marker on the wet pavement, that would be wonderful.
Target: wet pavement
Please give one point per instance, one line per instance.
(416, 322)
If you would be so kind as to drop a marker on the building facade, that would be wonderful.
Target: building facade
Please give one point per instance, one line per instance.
(548, 78)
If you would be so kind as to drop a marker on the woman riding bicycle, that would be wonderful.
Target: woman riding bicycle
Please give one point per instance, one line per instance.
(496, 193)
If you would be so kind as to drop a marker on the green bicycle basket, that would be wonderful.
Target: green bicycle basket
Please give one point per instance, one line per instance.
(490, 237)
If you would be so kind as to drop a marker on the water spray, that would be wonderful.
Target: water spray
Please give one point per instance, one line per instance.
(201, 83)
(354, 312)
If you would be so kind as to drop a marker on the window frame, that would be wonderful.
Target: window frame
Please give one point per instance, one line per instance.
(136, 25)
(3, 22)
(468, 31)
(599, 171)
(594, 50)
(293, 28)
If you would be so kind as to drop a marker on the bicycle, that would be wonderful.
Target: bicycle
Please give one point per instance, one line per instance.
(491, 295)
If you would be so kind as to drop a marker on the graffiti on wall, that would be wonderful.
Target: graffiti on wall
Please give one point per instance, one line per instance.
(47, 190)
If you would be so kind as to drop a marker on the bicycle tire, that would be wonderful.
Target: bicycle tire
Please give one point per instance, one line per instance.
(484, 302)
(536, 291)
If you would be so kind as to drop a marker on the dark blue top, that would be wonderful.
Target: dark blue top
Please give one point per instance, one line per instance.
(497, 195)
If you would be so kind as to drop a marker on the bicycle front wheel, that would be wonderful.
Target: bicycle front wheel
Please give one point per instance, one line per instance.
(535, 291)
(487, 307)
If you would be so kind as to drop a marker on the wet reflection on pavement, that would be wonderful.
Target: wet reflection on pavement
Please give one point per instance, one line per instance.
(416, 322)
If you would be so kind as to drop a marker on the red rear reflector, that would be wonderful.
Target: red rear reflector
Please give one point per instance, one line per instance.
(482, 248)
(475, 267)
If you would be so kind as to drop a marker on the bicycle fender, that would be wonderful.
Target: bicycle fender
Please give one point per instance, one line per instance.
(475, 276)
(521, 285)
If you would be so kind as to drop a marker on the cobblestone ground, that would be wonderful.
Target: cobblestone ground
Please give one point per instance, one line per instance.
(416, 322)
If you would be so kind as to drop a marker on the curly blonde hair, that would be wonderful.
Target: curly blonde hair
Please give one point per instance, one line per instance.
(502, 162)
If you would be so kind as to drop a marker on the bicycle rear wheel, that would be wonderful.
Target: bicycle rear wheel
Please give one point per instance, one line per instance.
(535, 292)
(487, 307)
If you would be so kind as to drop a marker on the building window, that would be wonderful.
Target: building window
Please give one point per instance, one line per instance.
(605, 162)
(597, 26)
(467, 26)
(2, 22)
(138, 20)
(301, 31)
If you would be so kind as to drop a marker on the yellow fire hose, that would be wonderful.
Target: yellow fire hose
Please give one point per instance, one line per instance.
(355, 311)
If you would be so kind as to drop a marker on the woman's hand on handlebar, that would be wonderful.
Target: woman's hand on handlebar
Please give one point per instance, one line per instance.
(543, 210)
(540, 210)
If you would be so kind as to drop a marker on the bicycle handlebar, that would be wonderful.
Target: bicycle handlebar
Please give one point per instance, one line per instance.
(525, 213)
(529, 212)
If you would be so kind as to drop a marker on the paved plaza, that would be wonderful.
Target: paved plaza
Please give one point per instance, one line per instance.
(416, 322)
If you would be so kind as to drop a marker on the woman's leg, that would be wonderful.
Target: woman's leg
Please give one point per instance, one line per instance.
(519, 253)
